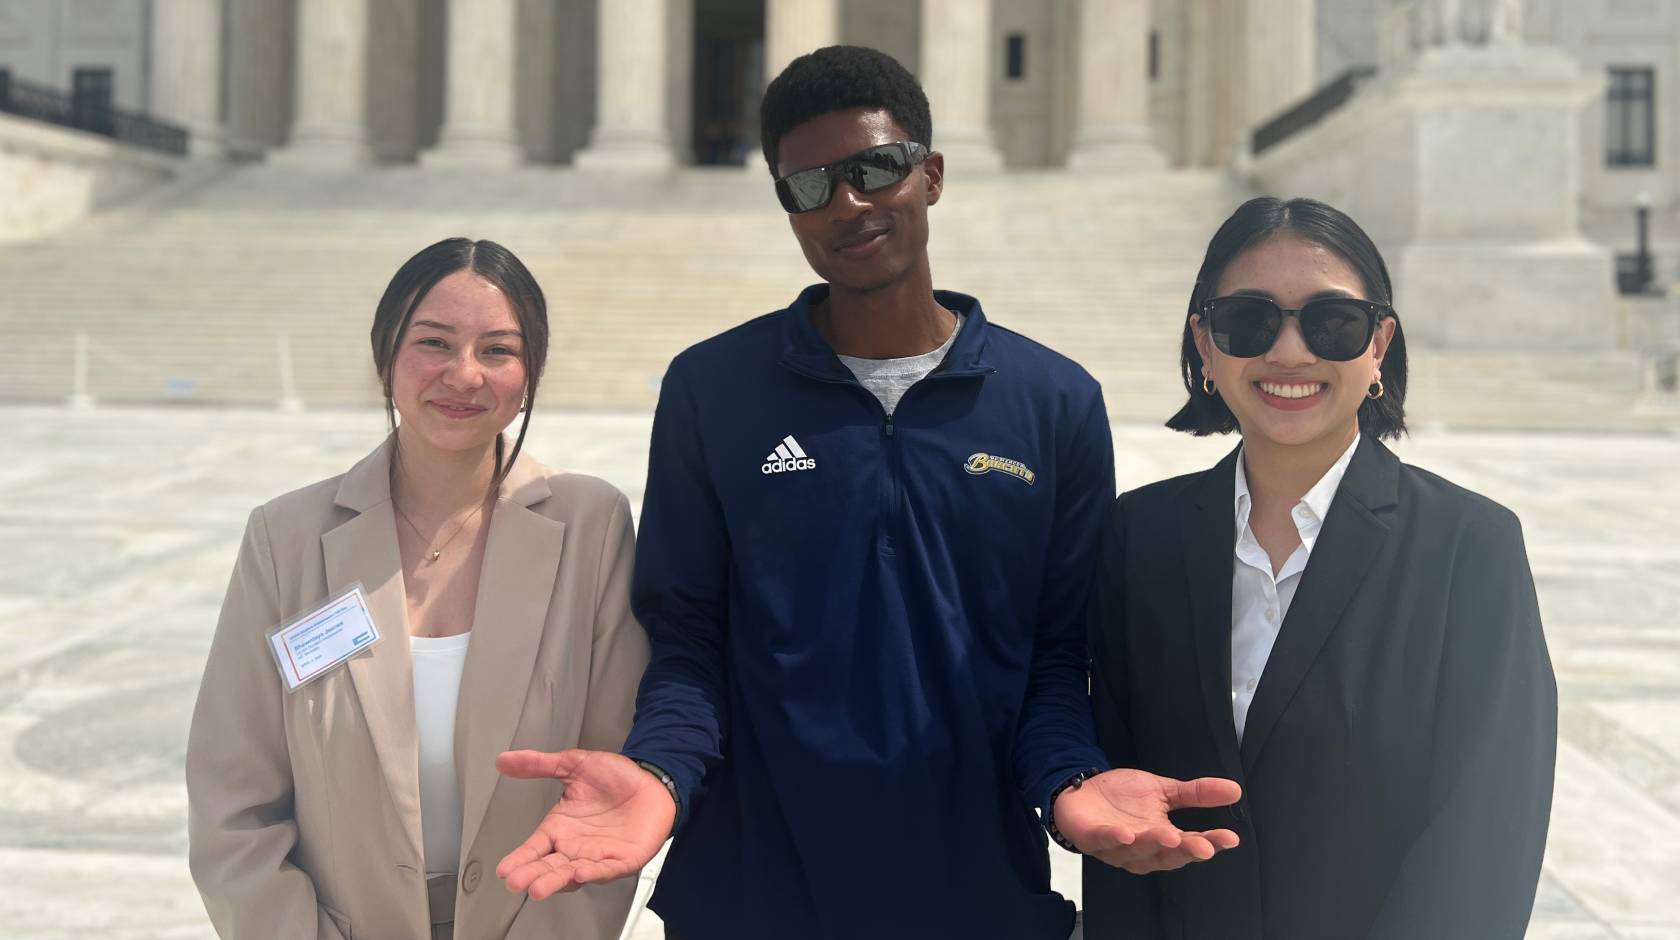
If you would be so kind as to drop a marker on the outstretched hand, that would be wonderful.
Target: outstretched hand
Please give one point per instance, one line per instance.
(1120, 817)
(610, 822)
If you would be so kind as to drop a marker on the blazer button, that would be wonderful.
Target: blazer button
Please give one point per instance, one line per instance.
(470, 877)
(1237, 812)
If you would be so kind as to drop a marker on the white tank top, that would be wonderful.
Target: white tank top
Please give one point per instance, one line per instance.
(437, 688)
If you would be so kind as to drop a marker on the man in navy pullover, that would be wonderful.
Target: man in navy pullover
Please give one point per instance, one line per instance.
(869, 526)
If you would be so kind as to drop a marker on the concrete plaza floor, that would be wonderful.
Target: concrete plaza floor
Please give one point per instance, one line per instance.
(119, 529)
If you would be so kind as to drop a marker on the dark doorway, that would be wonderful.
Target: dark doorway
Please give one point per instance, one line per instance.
(92, 91)
(728, 79)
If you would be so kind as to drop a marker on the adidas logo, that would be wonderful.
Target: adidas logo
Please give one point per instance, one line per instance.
(786, 458)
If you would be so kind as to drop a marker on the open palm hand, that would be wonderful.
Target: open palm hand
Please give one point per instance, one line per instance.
(1120, 817)
(610, 822)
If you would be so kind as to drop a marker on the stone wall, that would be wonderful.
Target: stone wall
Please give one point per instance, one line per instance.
(51, 178)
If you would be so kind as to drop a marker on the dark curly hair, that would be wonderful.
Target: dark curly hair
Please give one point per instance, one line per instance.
(837, 78)
(1255, 221)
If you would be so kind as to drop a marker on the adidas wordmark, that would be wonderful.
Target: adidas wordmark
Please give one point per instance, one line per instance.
(787, 457)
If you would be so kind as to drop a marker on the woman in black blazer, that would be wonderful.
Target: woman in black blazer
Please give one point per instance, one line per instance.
(1353, 640)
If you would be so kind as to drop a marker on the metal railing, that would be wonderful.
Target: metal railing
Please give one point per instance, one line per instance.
(39, 103)
(1310, 110)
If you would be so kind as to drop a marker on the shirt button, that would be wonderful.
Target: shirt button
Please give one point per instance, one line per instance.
(470, 877)
(1271, 613)
(1251, 685)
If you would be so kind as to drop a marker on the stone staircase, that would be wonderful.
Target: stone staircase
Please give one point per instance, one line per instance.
(257, 284)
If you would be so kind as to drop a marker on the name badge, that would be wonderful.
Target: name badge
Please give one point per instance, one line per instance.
(307, 646)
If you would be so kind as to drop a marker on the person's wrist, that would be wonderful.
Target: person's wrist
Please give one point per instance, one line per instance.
(669, 781)
(1071, 783)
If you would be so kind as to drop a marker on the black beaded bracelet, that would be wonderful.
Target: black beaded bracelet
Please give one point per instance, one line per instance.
(665, 778)
(1072, 783)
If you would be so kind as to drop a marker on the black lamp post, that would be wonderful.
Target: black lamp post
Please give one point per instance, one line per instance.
(1642, 256)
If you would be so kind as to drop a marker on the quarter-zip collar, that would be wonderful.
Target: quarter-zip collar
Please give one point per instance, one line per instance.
(807, 353)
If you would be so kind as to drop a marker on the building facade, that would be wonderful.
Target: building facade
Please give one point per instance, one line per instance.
(1016, 83)
(1028, 82)
(1122, 84)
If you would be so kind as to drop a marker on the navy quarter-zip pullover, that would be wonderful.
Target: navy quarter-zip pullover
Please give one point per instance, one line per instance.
(868, 645)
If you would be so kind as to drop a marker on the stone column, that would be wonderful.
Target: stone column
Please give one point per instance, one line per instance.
(187, 57)
(1113, 131)
(329, 124)
(793, 28)
(632, 87)
(479, 82)
(1280, 59)
(956, 66)
(258, 66)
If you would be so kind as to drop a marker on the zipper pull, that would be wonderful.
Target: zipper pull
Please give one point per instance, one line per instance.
(889, 425)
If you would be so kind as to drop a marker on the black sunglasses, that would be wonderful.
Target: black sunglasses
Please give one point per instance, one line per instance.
(1336, 329)
(867, 171)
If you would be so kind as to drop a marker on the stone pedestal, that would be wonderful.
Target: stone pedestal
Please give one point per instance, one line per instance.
(1463, 165)
(1507, 295)
(1496, 257)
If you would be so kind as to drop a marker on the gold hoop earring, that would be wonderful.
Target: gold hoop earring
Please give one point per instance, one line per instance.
(1207, 385)
(1375, 391)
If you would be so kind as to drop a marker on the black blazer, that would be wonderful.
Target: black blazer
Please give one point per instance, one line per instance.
(1397, 761)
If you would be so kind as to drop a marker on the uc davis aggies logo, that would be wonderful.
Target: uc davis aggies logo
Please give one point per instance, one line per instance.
(787, 458)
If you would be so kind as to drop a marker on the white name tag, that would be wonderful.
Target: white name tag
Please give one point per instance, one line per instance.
(307, 646)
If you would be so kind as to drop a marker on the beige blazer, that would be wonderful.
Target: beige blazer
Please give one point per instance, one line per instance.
(304, 808)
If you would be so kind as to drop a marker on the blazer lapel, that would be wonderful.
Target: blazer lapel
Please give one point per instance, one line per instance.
(364, 549)
(1352, 537)
(515, 588)
(1209, 551)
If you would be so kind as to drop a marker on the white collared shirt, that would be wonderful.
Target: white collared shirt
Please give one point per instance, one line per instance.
(1259, 600)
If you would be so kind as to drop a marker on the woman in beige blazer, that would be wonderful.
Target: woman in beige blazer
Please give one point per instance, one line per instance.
(366, 804)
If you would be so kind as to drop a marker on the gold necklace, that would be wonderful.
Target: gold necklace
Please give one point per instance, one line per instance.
(437, 551)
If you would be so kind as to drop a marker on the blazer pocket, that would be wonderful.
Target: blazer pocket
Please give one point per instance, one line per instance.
(334, 918)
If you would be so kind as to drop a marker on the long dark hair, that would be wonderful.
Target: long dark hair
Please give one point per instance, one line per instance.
(1255, 221)
(495, 264)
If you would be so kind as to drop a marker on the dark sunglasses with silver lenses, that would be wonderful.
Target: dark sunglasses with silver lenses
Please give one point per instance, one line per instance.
(1336, 329)
(867, 171)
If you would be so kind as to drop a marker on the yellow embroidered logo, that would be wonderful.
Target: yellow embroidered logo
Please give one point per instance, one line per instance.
(978, 464)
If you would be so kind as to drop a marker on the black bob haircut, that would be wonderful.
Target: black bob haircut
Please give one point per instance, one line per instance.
(1255, 221)
(839, 78)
